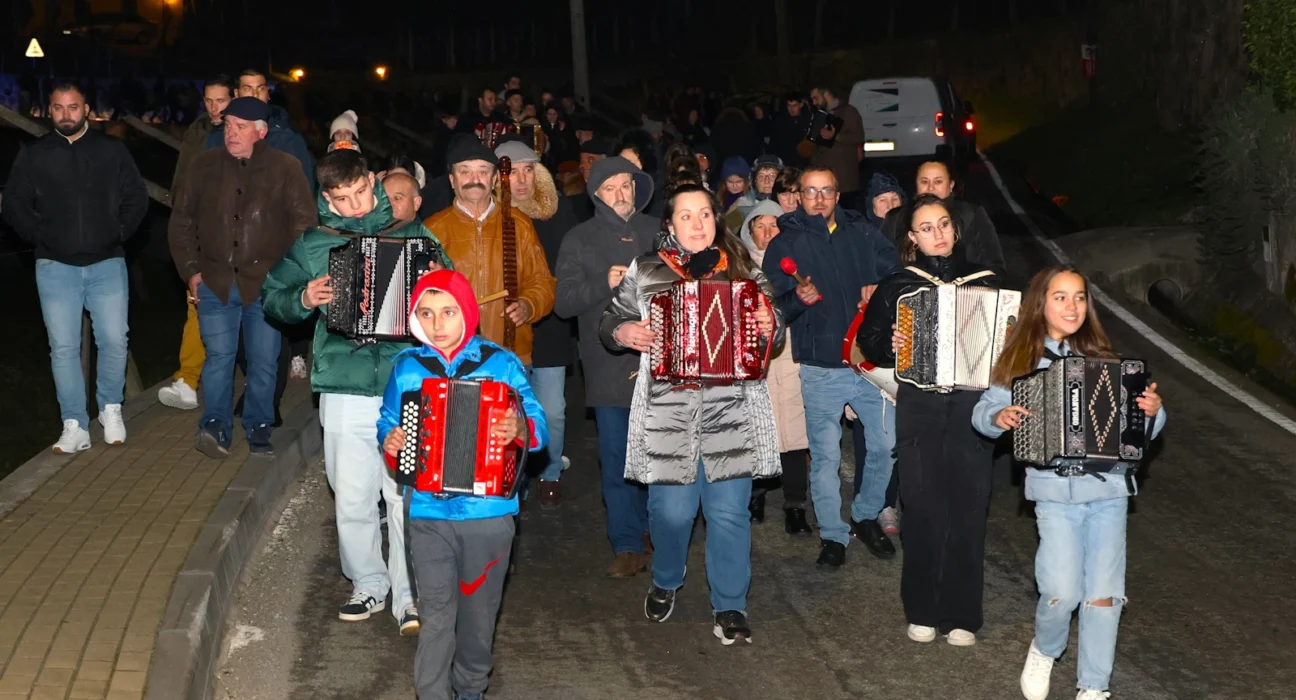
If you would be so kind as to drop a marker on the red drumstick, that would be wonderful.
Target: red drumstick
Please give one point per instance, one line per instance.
(789, 267)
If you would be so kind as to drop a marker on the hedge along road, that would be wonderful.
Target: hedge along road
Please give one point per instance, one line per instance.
(1208, 580)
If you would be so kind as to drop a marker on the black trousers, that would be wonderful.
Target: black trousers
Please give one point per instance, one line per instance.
(946, 475)
(795, 479)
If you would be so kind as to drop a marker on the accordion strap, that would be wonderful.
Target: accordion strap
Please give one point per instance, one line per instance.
(957, 282)
(438, 368)
(351, 234)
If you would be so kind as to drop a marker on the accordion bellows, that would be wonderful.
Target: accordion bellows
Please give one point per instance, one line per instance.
(955, 335)
(372, 279)
(706, 332)
(449, 448)
(1082, 410)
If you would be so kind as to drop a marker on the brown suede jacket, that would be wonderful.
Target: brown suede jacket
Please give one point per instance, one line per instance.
(233, 218)
(477, 250)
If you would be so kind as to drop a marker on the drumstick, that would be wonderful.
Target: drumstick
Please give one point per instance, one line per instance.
(497, 295)
(789, 267)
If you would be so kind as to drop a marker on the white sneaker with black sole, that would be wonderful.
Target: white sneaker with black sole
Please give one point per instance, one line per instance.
(113, 426)
(74, 438)
(360, 607)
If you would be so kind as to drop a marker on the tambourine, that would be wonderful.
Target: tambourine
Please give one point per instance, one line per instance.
(883, 378)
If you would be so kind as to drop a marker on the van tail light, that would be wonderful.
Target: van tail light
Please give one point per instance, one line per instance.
(940, 124)
(969, 125)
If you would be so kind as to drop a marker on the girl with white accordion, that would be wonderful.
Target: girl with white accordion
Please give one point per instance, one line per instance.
(945, 467)
(695, 443)
(1081, 517)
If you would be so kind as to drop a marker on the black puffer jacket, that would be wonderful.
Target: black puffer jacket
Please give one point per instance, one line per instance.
(979, 239)
(874, 337)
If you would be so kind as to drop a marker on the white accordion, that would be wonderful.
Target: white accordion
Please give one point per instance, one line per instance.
(954, 335)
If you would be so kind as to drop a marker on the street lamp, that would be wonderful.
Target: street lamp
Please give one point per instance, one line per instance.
(381, 72)
(298, 74)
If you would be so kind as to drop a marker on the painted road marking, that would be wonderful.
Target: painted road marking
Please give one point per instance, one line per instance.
(1143, 329)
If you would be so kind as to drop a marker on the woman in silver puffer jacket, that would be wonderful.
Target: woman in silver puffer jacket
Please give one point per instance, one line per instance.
(695, 445)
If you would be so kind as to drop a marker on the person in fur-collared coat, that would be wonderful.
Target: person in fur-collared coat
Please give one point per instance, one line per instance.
(695, 444)
(554, 349)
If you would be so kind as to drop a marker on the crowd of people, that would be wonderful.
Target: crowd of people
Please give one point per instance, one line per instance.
(255, 218)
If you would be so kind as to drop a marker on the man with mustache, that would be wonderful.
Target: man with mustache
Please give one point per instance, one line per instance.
(76, 195)
(471, 229)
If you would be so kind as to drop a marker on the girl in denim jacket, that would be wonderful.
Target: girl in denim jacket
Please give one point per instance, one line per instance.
(1081, 519)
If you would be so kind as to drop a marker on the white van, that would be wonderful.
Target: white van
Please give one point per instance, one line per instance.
(914, 117)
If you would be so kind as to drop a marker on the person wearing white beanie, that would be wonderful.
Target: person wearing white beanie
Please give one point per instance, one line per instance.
(345, 127)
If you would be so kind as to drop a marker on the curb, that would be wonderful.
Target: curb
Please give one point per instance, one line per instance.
(23, 481)
(189, 640)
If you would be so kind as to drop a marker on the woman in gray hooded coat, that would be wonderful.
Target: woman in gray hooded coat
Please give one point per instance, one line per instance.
(695, 444)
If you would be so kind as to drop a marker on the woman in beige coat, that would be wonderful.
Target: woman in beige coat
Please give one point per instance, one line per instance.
(784, 381)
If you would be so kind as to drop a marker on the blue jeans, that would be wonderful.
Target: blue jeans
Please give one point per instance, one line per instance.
(1081, 559)
(219, 325)
(826, 392)
(626, 501)
(672, 510)
(102, 290)
(550, 386)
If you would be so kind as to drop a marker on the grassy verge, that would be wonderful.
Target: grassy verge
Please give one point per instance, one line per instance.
(1106, 167)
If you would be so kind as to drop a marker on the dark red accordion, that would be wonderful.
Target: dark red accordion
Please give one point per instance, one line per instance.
(449, 448)
(707, 333)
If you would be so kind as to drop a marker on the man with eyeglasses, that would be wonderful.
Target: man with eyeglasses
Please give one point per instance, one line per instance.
(977, 235)
(252, 83)
(840, 258)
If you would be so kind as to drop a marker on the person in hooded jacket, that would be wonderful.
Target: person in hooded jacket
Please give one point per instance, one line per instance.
(946, 466)
(554, 347)
(696, 445)
(592, 262)
(784, 380)
(350, 378)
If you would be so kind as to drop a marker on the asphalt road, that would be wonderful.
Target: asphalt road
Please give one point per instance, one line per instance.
(1210, 580)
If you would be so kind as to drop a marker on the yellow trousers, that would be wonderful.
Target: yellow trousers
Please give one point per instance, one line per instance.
(192, 352)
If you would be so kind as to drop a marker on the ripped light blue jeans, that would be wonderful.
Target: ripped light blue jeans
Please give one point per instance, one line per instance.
(1081, 559)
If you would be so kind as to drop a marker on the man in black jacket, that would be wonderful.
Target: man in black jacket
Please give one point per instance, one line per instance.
(790, 127)
(553, 349)
(76, 195)
(977, 235)
(593, 260)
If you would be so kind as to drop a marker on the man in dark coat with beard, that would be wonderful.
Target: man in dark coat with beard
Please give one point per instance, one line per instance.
(593, 260)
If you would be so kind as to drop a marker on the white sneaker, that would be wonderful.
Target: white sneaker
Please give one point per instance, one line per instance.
(179, 394)
(298, 367)
(919, 633)
(74, 438)
(111, 420)
(1093, 695)
(960, 638)
(566, 463)
(889, 519)
(1035, 674)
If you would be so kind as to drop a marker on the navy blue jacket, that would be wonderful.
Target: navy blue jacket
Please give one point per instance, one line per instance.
(839, 264)
(281, 138)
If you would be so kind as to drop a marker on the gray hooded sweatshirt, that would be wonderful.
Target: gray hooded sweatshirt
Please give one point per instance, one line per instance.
(587, 252)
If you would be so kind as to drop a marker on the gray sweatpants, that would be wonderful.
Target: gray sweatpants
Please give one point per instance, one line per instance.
(460, 568)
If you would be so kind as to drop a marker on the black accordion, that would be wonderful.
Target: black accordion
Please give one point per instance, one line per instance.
(372, 279)
(1084, 413)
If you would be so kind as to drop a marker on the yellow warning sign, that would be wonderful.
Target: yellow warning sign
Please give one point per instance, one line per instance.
(34, 49)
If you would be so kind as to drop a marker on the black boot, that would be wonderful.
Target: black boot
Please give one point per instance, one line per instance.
(794, 521)
(757, 507)
(870, 533)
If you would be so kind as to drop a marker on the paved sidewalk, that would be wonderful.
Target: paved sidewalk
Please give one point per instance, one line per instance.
(87, 562)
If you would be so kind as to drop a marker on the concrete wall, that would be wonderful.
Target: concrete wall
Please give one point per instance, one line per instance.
(1132, 260)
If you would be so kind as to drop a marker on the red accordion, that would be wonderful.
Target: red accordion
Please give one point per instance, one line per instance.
(706, 332)
(489, 133)
(449, 448)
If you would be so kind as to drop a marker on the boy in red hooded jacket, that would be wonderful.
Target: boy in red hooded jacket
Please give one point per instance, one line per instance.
(459, 545)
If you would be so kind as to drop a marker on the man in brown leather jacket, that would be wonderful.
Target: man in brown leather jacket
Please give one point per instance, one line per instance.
(471, 230)
(236, 212)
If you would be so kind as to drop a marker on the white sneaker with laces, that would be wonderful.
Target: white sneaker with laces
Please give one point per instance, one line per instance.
(113, 425)
(179, 394)
(298, 367)
(74, 438)
(920, 633)
(1035, 674)
(1093, 695)
(960, 638)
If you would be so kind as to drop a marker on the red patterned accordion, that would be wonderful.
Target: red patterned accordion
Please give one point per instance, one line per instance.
(448, 444)
(706, 332)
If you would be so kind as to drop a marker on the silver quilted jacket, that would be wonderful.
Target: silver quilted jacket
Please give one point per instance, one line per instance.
(730, 428)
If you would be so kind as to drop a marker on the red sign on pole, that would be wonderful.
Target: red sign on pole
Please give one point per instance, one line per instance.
(1088, 58)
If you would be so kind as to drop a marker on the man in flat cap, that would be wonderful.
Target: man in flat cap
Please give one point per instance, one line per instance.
(471, 229)
(236, 212)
